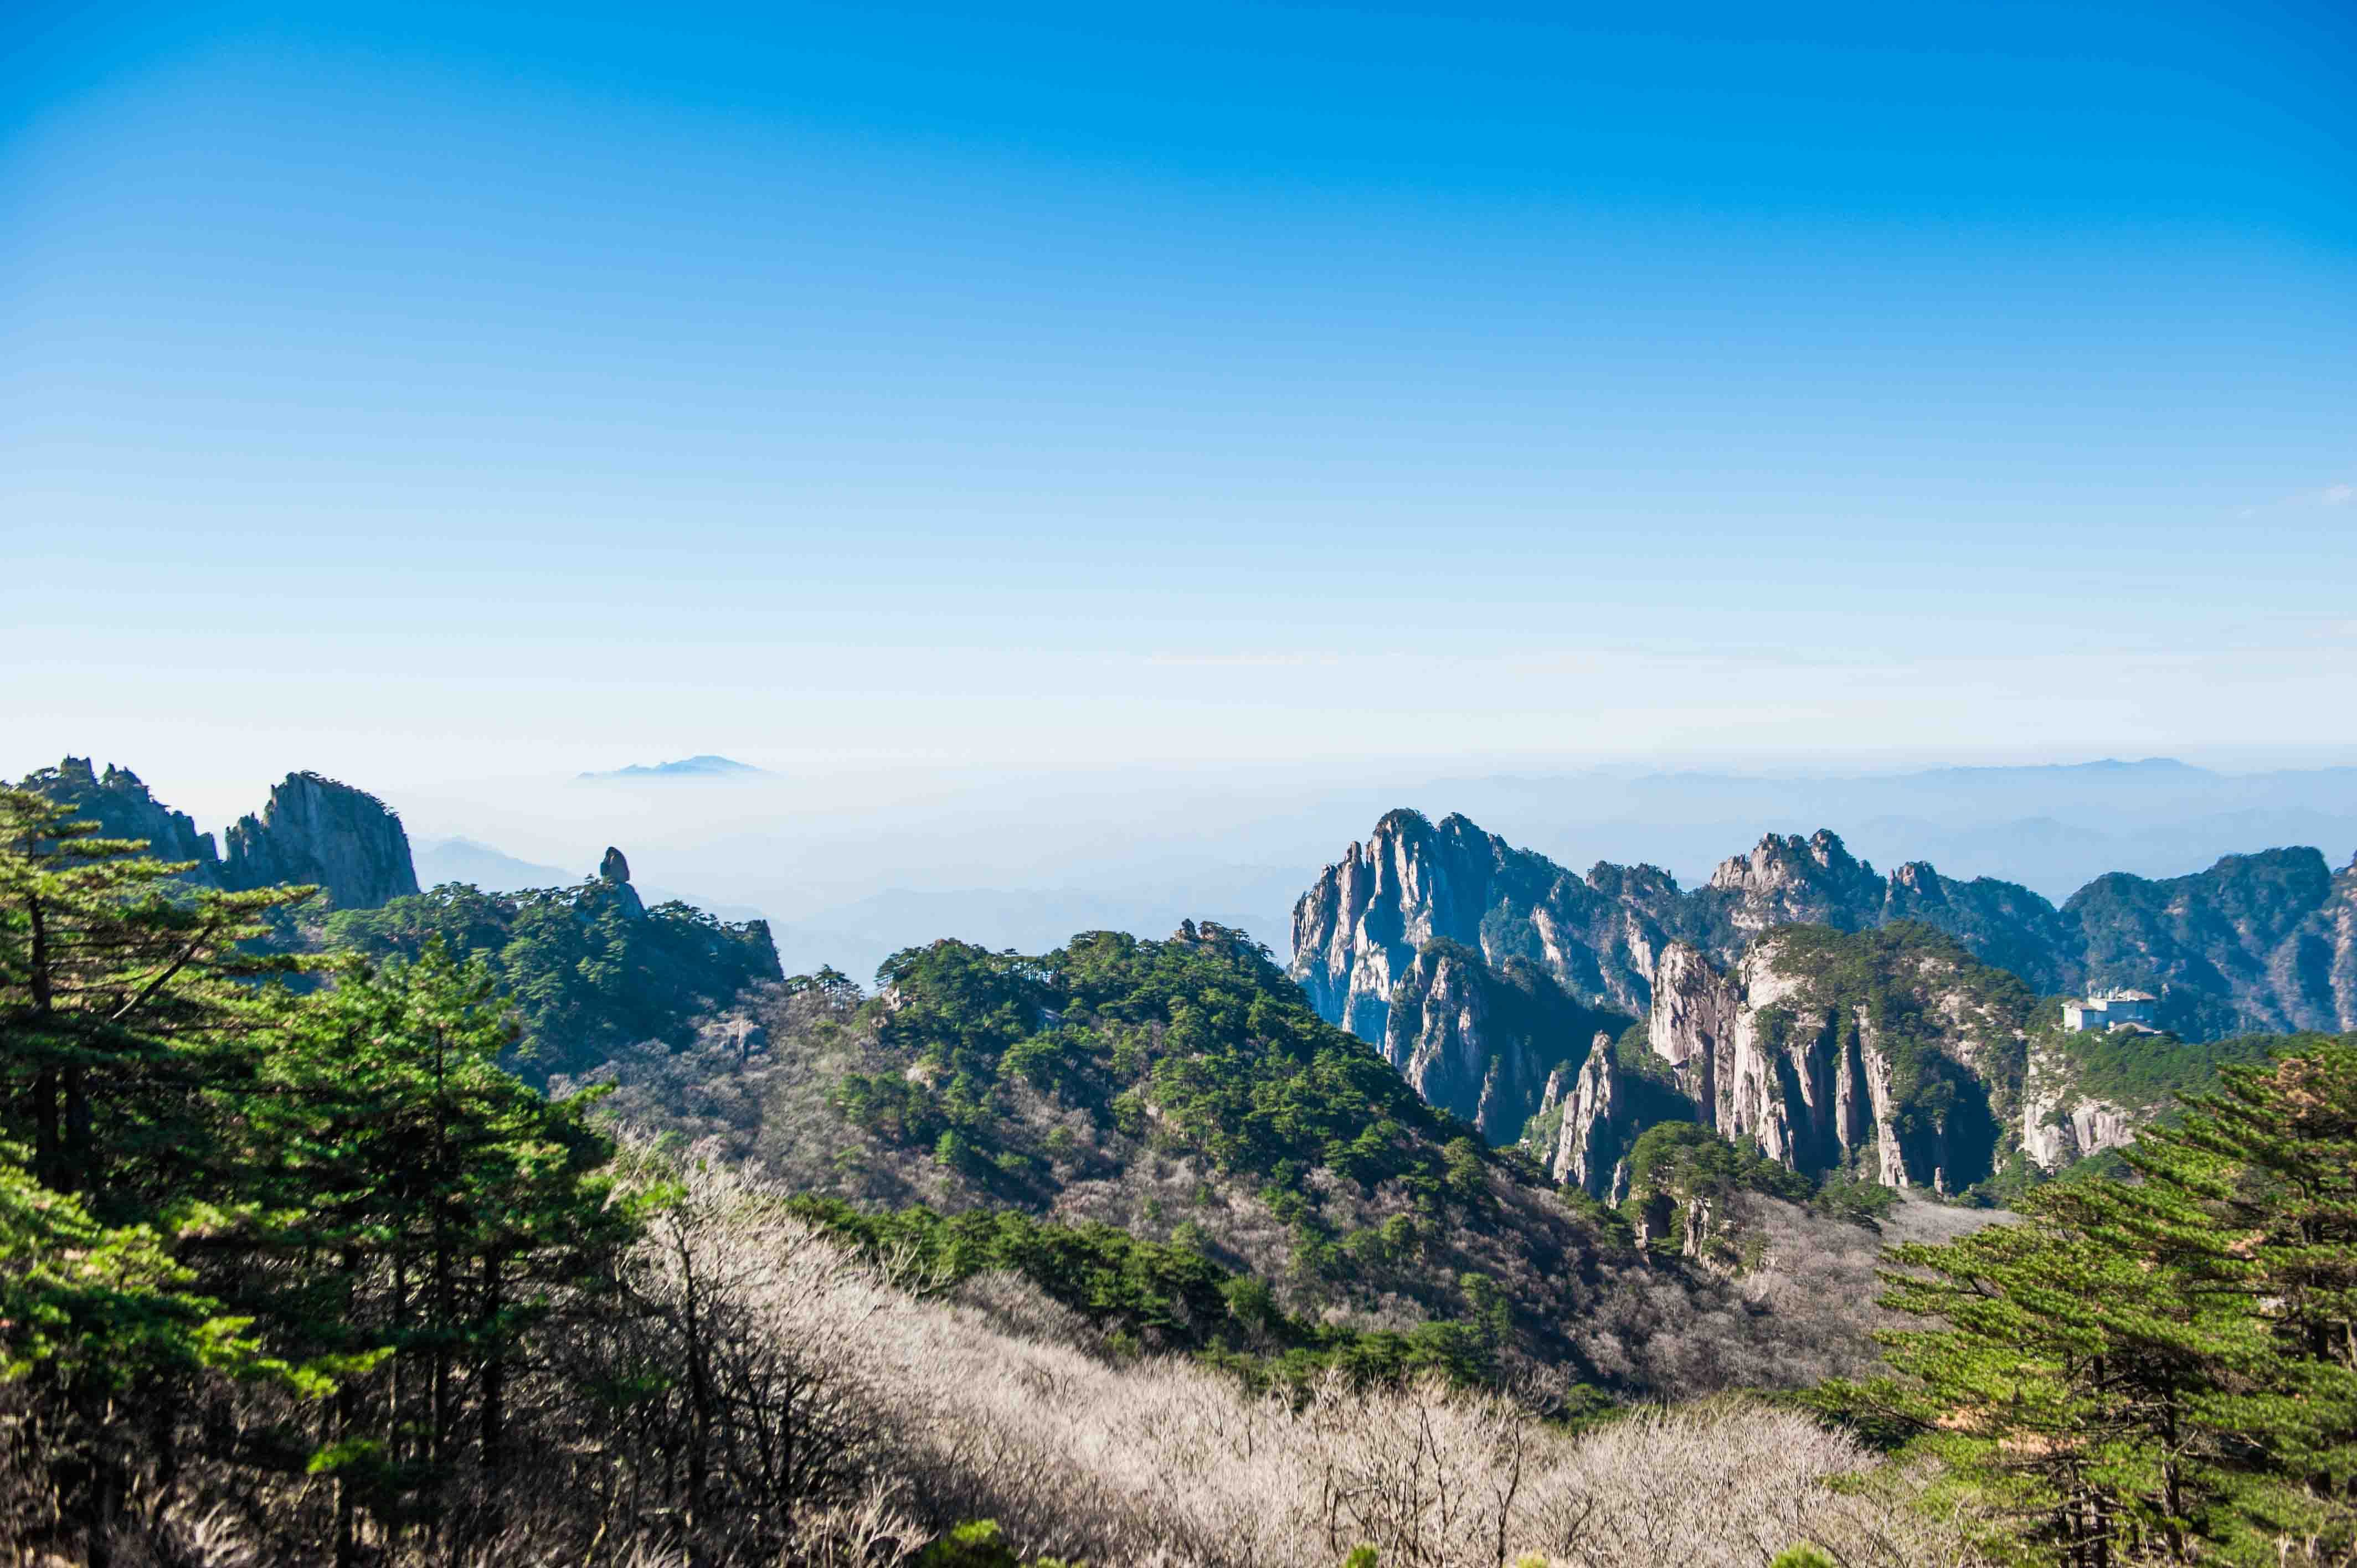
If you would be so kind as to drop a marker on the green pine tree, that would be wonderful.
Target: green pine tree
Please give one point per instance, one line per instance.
(449, 1206)
(122, 1017)
(127, 1042)
(2165, 1369)
(2257, 1184)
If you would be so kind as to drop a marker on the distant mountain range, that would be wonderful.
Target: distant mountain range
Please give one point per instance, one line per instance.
(704, 767)
(1842, 1018)
(2266, 941)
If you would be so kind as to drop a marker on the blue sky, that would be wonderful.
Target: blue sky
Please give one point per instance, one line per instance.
(435, 394)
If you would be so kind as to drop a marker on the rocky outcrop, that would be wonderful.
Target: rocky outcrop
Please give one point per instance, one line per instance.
(1601, 936)
(1788, 881)
(315, 831)
(1357, 931)
(123, 808)
(1693, 1021)
(1598, 1123)
(2061, 1125)
(1484, 1042)
(2257, 943)
(614, 874)
(1873, 1050)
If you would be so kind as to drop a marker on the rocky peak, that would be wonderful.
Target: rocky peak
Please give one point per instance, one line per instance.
(615, 867)
(315, 829)
(1358, 930)
(1917, 876)
(1787, 879)
(1590, 1150)
(1486, 1042)
(123, 809)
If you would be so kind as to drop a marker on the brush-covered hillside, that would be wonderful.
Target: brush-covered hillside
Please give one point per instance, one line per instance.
(1179, 1107)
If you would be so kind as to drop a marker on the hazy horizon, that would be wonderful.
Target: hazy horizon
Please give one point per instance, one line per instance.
(485, 393)
(1025, 861)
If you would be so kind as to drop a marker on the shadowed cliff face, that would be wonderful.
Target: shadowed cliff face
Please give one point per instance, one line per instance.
(316, 830)
(1483, 1042)
(2272, 937)
(123, 809)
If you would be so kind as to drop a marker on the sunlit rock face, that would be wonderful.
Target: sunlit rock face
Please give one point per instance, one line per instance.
(2257, 943)
(1891, 1058)
(1597, 1125)
(1600, 936)
(1358, 930)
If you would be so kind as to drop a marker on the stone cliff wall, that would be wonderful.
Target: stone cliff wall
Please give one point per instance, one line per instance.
(1482, 1040)
(1776, 1050)
(316, 830)
(2257, 943)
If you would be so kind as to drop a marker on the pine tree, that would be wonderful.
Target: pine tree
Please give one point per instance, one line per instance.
(2258, 1182)
(446, 1207)
(125, 1042)
(2161, 1370)
(2063, 1376)
(122, 1015)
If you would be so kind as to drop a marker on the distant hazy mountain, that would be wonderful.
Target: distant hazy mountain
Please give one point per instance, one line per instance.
(480, 866)
(704, 767)
(2051, 829)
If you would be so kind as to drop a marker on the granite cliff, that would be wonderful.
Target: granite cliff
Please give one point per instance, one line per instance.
(1485, 1042)
(1840, 1020)
(1891, 1053)
(315, 831)
(2262, 941)
(312, 831)
(123, 809)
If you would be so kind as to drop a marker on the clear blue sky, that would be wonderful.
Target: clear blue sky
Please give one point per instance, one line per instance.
(419, 392)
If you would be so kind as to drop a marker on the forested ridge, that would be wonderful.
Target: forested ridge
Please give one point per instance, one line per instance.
(490, 1231)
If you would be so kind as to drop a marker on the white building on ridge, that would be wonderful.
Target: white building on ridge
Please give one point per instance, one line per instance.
(2111, 1010)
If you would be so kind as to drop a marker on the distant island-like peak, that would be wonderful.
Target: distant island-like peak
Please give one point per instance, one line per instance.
(705, 766)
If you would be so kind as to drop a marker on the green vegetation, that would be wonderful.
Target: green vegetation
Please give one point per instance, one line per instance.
(2128, 1069)
(1680, 1177)
(2164, 1370)
(1907, 984)
(588, 969)
(338, 1198)
(1199, 1042)
(321, 1260)
(1146, 1296)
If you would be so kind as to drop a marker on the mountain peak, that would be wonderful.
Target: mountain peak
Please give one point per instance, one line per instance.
(703, 765)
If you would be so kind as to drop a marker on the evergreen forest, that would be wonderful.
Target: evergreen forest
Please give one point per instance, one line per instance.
(537, 1228)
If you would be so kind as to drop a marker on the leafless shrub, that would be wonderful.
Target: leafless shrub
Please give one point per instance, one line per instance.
(969, 1408)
